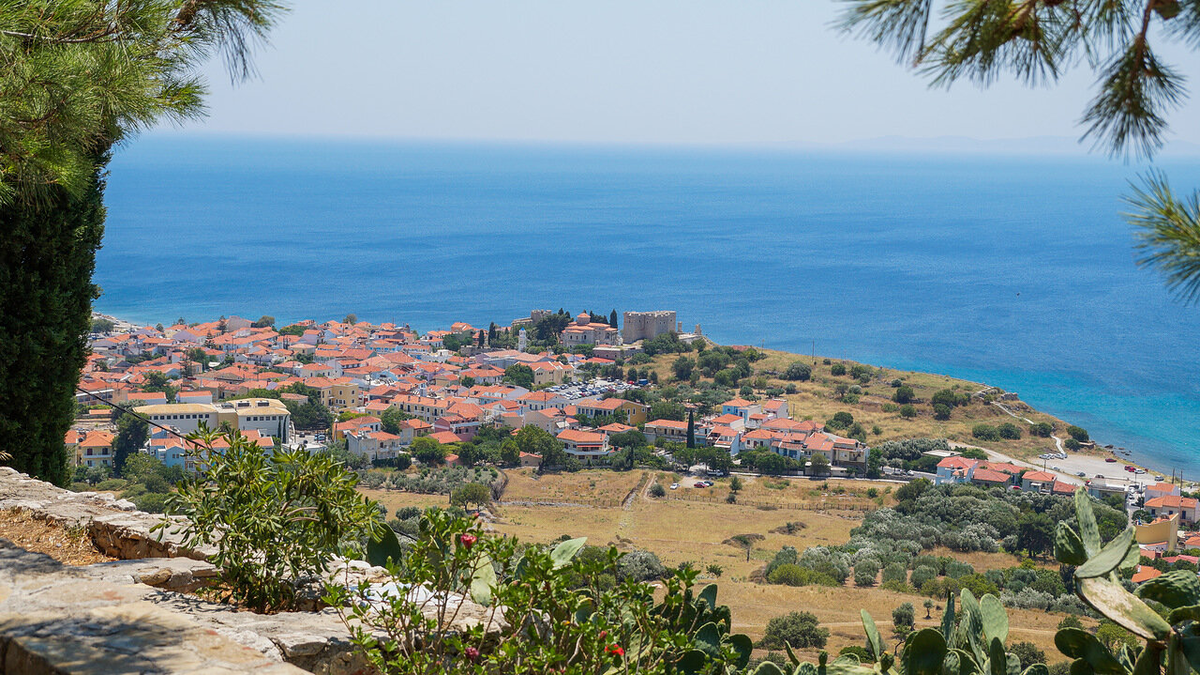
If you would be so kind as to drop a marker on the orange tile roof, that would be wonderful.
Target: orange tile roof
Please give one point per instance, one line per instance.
(1145, 574)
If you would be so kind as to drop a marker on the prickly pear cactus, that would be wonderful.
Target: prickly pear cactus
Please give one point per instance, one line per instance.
(1173, 643)
(969, 642)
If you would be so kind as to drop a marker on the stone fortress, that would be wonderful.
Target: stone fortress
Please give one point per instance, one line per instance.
(648, 325)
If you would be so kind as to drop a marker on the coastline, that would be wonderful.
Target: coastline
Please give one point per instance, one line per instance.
(1092, 463)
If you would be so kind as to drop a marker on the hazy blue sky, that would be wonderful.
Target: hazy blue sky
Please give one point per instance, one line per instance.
(663, 71)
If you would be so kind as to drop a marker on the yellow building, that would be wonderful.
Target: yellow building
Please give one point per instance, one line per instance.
(268, 416)
(344, 394)
(1164, 531)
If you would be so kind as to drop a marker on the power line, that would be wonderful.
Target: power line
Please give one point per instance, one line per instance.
(130, 411)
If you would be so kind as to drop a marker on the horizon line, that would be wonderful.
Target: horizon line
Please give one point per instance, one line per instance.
(1057, 146)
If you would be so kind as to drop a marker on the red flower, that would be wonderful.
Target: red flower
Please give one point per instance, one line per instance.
(615, 649)
(467, 540)
(603, 634)
(471, 653)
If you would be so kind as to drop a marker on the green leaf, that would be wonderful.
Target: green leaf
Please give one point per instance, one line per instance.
(693, 661)
(1122, 607)
(1177, 615)
(483, 580)
(764, 668)
(383, 547)
(744, 647)
(1068, 547)
(1036, 669)
(1133, 557)
(1013, 664)
(967, 665)
(1107, 559)
(709, 596)
(1189, 642)
(925, 653)
(791, 654)
(1179, 588)
(948, 619)
(969, 603)
(564, 552)
(995, 620)
(1079, 644)
(997, 659)
(873, 639)
(708, 640)
(1080, 667)
(1089, 532)
(1149, 662)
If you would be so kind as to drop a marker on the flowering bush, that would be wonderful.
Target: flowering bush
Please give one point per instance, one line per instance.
(547, 610)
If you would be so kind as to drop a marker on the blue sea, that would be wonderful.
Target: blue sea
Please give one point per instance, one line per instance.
(1016, 271)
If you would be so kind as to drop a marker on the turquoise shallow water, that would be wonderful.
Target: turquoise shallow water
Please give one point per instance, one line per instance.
(1015, 271)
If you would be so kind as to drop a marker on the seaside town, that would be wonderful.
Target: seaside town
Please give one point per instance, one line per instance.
(445, 384)
(370, 391)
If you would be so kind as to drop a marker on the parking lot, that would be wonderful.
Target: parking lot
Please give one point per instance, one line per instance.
(598, 387)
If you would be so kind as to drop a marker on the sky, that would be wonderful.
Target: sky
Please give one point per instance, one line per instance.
(758, 72)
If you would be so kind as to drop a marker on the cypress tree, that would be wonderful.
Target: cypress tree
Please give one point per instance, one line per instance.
(691, 429)
(612, 318)
(75, 78)
(47, 256)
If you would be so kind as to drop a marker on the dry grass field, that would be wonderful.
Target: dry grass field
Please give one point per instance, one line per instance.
(679, 531)
(582, 487)
(817, 399)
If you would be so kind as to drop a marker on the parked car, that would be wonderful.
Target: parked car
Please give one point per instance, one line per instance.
(1140, 471)
(674, 486)
(1081, 474)
(1110, 459)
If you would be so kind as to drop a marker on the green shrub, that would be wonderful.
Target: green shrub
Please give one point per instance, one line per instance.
(791, 574)
(908, 411)
(865, 572)
(1009, 431)
(858, 652)
(640, 565)
(798, 370)
(547, 588)
(904, 617)
(657, 490)
(895, 572)
(800, 630)
(1042, 429)
(837, 369)
(904, 394)
(274, 518)
(985, 432)
(111, 485)
(1077, 433)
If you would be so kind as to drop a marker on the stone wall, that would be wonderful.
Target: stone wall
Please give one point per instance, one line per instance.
(135, 614)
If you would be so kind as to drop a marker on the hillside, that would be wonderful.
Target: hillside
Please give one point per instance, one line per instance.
(820, 397)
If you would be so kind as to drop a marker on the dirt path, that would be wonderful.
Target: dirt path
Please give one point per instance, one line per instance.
(1058, 441)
